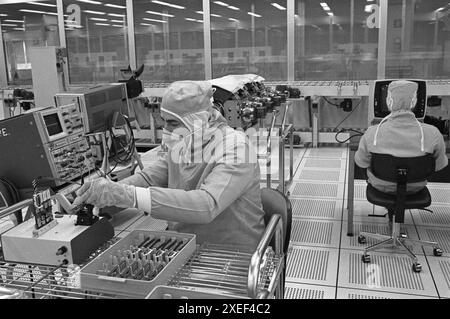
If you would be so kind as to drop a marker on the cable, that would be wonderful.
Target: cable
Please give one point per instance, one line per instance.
(348, 115)
(337, 105)
(349, 138)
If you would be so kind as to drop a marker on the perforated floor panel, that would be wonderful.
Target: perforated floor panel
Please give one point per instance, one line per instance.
(362, 210)
(440, 216)
(436, 234)
(323, 163)
(327, 152)
(440, 266)
(320, 175)
(439, 194)
(383, 229)
(312, 265)
(323, 233)
(320, 190)
(346, 293)
(316, 208)
(302, 291)
(386, 272)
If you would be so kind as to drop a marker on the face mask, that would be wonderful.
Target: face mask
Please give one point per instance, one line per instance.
(170, 139)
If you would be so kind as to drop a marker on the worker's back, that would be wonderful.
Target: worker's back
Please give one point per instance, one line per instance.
(400, 136)
(237, 177)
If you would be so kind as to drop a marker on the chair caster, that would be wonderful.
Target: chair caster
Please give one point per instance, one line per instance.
(361, 240)
(417, 267)
(437, 252)
(365, 258)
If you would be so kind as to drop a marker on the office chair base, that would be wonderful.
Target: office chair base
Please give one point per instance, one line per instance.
(397, 242)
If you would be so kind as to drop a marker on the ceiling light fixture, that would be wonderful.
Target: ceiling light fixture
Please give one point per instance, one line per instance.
(156, 20)
(42, 4)
(115, 6)
(90, 1)
(39, 12)
(279, 7)
(95, 12)
(168, 4)
(161, 14)
(254, 14)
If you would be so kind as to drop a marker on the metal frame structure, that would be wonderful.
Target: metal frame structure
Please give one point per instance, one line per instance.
(284, 131)
(213, 268)
(290, 15)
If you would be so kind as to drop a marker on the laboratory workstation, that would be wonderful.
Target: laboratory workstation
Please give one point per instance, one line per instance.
(240, 149)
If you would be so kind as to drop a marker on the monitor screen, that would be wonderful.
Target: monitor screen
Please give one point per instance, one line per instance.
(380, 93)
(53, 124)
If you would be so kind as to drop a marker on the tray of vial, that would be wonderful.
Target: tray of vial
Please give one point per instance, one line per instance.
(138, 263)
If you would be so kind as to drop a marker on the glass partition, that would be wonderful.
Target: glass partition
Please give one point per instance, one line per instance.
(169, 39)
(249, 37)
(25, 25)
(418, 39)
(96, 40)
(335, 40)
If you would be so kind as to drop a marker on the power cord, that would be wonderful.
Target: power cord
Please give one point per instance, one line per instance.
(356, 107)
(358, 133)
(326, 100)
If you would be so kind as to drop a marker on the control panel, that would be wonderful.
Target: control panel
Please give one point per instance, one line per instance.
(71, 156)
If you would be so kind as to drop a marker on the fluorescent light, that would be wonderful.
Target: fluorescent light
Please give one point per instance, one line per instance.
(114, 6)
(98, 19)
(232, 19)
(71, 24)
(42, 4)
(117, 21)
(212, 15)
(3, 15)
(19, 29)
(279, 7)
(324, 4)
(94, 12)
(201, 21)
(148, 19)
(330, 14)
(220, 3)
(90, 1)
(368, 8)
(233, 8)
(118, 26)
(18, 21)
(161, 14)
(168, 4)
(37, 11)
(254, 14)
(8, 25)
(116, 15)
(190, 19)
(147, 24)
(105, 24)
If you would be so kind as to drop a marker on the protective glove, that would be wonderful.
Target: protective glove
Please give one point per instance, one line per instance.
(102, 192)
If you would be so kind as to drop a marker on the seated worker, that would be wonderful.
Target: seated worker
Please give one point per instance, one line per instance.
(205, 184)
(400, 134)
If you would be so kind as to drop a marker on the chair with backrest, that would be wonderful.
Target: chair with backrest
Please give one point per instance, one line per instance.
(275, 202)
(401, 171)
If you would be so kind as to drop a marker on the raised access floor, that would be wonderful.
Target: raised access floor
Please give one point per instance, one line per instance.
(324, 263)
